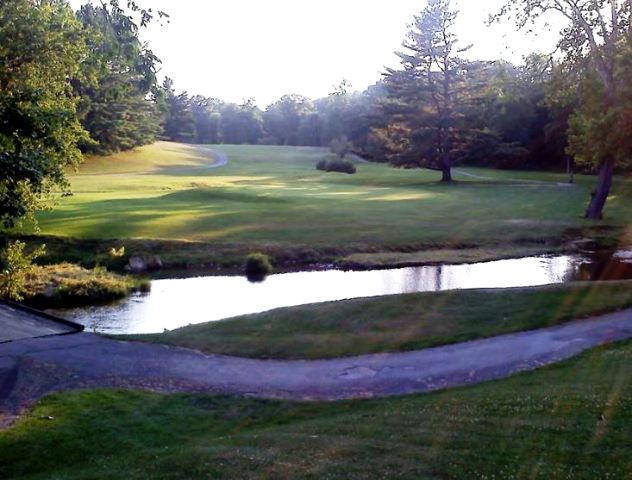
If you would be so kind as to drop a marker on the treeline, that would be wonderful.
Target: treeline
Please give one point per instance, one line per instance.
(77, 82)
(516, 127)
(293, 120)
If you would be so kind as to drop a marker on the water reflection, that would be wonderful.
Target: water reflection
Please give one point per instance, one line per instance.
(176, 303)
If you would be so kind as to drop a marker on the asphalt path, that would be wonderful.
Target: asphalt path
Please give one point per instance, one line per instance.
(32, 368)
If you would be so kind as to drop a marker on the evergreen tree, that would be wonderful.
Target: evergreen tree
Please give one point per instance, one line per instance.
(426, 96)
(179, 123)
(117, 78)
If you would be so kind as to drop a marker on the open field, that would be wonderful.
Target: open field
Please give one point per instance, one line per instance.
(397, 323)
(165, 199)
(568, 421)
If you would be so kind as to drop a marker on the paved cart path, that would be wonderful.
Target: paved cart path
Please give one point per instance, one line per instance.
(32, 368)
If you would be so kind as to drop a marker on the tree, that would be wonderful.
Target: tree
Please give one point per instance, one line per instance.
(41, 48)
(596, 133)
(206, 117)
(116, 79)
(333, 111)
(518, 125)
(595, 33)
(427, 93)
(282, 119)
(179, 122)
(241, 124)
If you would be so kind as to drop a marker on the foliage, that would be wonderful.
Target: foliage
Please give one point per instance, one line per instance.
(116, 78)
(428, 94)
(66, 285)
(594, 35)
(39, 129)
(282, 119)
(598, 129)
(16, 264)
(292, 120)
(336, 164)
(179, 123)
(258, 265)
(241, 124)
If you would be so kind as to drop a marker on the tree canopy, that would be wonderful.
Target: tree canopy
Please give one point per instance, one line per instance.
(595, 41)
(42, 46)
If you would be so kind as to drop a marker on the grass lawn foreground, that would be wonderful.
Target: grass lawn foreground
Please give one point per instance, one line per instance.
(567, 421)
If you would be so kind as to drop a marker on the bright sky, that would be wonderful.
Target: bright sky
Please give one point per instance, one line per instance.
(236, 49)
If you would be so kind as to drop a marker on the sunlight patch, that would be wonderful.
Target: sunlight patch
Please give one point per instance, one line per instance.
(402, 197)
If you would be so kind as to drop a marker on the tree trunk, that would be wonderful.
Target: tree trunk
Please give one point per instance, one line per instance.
(600, 195)
(446, 168)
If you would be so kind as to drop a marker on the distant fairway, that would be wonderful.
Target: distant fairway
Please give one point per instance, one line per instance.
(274, 196)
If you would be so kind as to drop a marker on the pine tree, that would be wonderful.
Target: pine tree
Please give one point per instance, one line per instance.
(425, 96)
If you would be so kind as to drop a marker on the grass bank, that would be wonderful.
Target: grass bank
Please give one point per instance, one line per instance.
(66, 285)
(569, 421)
(397, 323)
(166, 200)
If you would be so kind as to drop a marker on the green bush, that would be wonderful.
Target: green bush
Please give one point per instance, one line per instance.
(339, 165)
(16, 264)
(258, 266)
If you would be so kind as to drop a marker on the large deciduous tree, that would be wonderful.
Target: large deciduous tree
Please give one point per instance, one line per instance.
(596, 39)
(41, 48)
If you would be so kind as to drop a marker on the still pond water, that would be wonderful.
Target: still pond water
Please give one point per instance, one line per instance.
(177, 303)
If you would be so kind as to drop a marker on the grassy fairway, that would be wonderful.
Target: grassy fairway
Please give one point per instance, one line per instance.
(570, 421)
(272, 197)
(398, 323)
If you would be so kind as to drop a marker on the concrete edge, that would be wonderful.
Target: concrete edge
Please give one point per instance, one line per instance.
(18, 306)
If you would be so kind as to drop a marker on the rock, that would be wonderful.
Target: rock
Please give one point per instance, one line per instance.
(140, 264)
(50, 291)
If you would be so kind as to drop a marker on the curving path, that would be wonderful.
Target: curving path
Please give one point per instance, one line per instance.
(32, 368)
(513, 180)
(221, 159)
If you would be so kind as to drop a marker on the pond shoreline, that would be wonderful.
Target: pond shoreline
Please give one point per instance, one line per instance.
(178, 302)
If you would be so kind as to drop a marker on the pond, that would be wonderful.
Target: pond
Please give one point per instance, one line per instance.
(177, 303)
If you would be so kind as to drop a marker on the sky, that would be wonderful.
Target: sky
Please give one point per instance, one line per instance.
(262, 49)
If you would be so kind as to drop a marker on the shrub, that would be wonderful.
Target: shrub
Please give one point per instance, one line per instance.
(258, 266)
(16, 263)
(339, 165)
(66, 285)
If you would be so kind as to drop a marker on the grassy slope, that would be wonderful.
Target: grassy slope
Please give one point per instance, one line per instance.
(569, 421)
(273, 195)
(403, 322)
